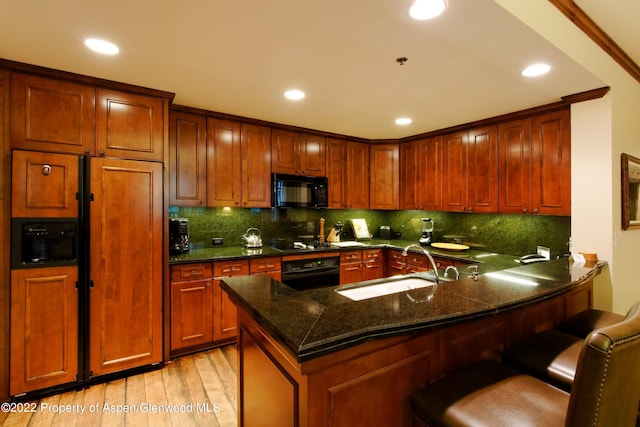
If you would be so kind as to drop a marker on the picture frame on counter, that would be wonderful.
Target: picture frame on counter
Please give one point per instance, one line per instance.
(630, 186)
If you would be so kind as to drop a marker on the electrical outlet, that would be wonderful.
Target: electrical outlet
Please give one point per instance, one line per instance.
(217, 241)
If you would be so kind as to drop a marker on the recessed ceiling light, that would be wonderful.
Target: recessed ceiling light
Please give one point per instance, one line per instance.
(427, 9)
(294, 94)
(536, 70)
(102, 46)
(402, 121)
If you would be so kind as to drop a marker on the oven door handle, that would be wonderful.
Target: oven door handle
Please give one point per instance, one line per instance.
(301, 274)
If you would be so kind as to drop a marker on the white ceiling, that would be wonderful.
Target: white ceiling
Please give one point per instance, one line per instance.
(238, 57)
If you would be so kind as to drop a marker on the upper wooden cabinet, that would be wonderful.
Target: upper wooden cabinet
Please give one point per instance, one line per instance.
(421, 174)
(470, 176)
(298, 153)
(535, 165)
(356, 183)
(384, 186)
(223, 163)
(52, 115)
(238, 164)
(130, 126)
(74, 118)
(551, 166)
(348, 174)
(44, 184)
(187, 159)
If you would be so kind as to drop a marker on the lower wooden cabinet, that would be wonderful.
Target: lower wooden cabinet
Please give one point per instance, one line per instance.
(360, 265)
(191, 305)
(44, 328)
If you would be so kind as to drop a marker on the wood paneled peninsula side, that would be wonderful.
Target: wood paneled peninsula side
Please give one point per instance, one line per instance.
(317, 358)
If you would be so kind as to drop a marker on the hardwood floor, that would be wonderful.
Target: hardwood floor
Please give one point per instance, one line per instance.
(195, 390)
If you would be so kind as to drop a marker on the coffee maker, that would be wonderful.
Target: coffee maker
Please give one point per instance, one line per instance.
(178, 236)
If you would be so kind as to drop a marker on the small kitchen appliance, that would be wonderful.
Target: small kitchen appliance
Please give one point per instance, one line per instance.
(427, 232)
(178, 236)
(252, 239)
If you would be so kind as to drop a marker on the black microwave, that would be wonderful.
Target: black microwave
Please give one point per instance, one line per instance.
(293, 191)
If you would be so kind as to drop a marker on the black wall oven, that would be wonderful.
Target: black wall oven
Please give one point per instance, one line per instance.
(44, 242)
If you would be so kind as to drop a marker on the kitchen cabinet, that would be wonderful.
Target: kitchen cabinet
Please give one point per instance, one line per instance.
(75, 118)
(52, 115)
(130, 126)
(268, 265)
(348, 174)
(191, 305)
(238, 164)
(362, 264)
(551, 166)
(421, 174)
(187, 159)
(126, 264)
(298, 153)
(535, 164)
(384, 185)
(44, 328)
(470, 174)
(356, 182)
(224, 311)
(44, 184)
(350, 267)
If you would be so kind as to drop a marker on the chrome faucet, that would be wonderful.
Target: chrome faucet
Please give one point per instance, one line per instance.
(455, 270)
(405, 252)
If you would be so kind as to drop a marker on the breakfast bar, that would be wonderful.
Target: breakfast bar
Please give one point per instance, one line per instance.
(318, 357)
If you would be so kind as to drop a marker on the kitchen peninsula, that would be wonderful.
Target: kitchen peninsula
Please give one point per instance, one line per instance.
(317, 358)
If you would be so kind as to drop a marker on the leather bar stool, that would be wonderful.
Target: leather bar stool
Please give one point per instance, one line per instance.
(552, 355)
(605, 392)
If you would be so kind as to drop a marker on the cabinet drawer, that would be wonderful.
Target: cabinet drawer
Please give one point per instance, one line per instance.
(418, 260)
(395, 255)
(351, 256)
(199, 270)
(231, 268)
(262, 265)
(372, 254)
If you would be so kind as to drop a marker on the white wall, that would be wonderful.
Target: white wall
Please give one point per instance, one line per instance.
(618, 115)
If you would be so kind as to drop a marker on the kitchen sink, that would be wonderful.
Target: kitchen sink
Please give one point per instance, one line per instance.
(388, 287)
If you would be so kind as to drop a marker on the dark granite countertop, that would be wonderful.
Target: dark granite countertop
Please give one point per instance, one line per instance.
(319, 321)
(488, 261)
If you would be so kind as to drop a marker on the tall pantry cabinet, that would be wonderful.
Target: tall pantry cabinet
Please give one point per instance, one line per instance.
(105, 314)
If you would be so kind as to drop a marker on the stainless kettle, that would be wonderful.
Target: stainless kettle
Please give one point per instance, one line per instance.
(252, 238)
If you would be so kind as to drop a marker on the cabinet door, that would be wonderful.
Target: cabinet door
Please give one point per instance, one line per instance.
(44, 328)
(285, 152)
(455, 172)
(313, 154)
(551, 139)
(482, 170)
(224, 311)
(430, 165)
(187, 159)
(130, 126)
(191, 313)
(255, 143)
(384, 187)
(126, 245)
(410, 175)
(44, 184)
(223, 163)
(356, 189)
(52, 115)
(514, 144)
(336, 153)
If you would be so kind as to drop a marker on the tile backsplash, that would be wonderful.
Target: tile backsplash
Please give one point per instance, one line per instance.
(502, 233)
